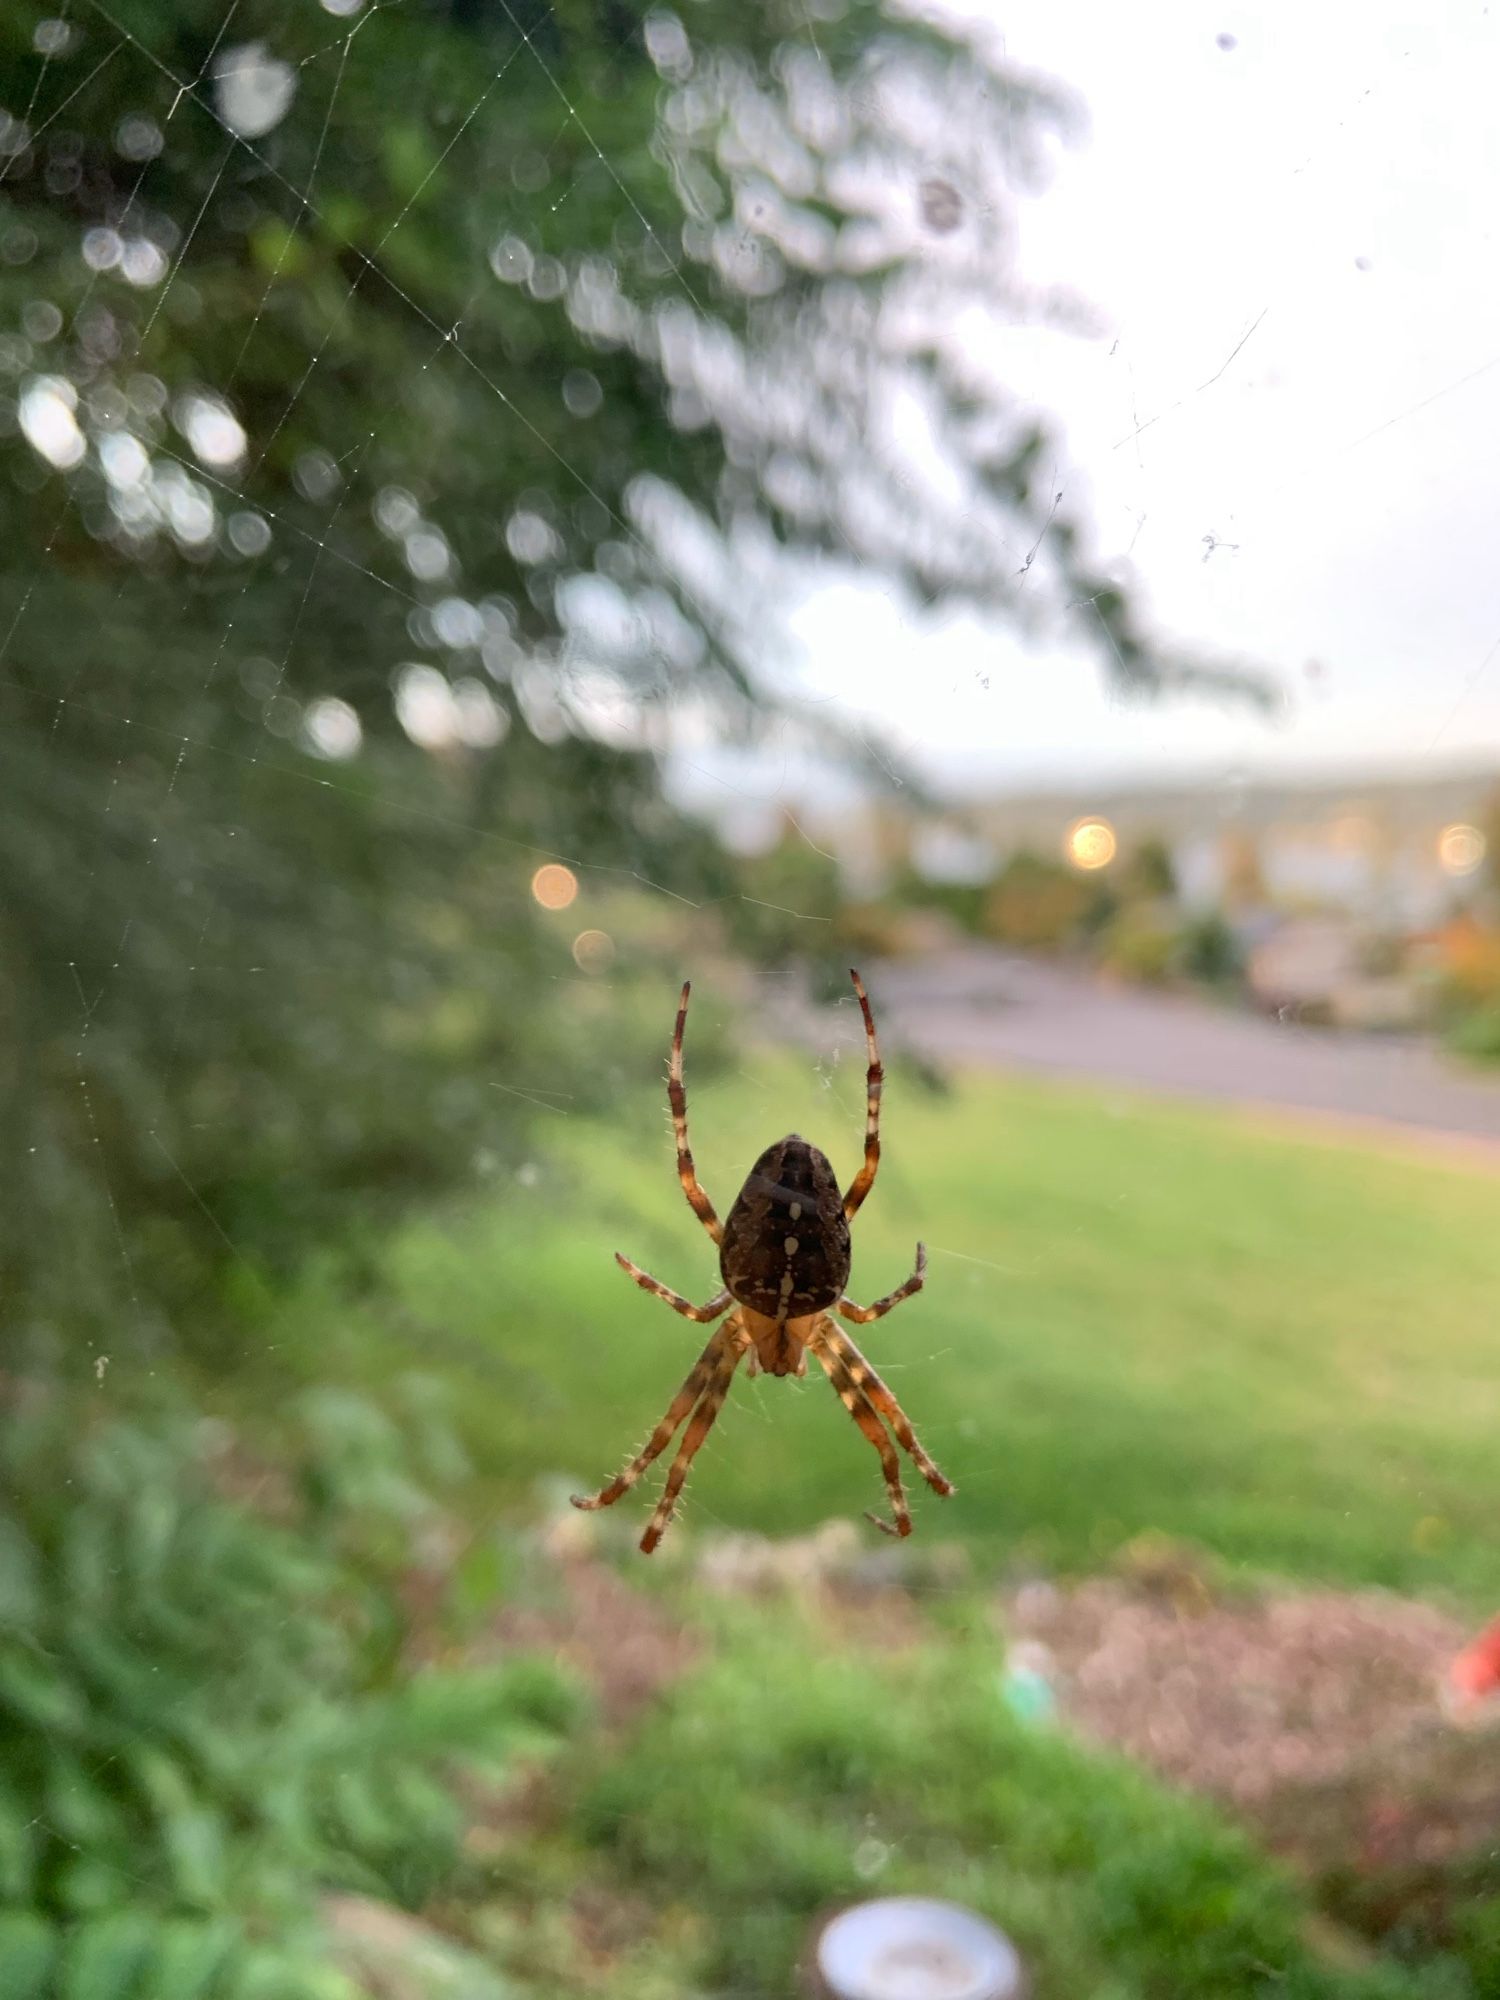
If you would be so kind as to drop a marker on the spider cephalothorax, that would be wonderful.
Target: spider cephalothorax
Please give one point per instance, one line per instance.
(784, 1258)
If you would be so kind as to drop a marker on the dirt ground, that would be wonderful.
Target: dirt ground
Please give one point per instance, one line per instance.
(1315, 1716)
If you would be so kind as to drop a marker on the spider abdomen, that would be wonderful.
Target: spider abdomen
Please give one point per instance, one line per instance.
(785, 1252)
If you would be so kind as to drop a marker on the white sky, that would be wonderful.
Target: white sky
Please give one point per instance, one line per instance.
(1344, 450)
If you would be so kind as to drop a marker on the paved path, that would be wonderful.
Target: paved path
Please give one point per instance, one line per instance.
(986, 1006)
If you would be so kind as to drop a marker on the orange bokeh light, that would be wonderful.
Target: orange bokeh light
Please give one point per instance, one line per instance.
(554, 886)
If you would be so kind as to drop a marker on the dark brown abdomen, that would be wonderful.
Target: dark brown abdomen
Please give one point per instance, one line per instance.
(786, 1244)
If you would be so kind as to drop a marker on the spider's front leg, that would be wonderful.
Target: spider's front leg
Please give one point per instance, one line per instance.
(862, 1315)
(864, 1180)
(705, 1315)
(687, 1172)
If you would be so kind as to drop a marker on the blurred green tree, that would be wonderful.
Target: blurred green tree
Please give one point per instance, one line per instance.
(784, 900)
(404, 414)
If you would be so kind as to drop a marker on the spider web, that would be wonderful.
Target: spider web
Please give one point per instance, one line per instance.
(835, 1038)
(50, 99)
(51, 96)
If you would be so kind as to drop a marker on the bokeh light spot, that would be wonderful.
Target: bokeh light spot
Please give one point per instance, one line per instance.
(593, 951)
(554, 886)
(1460, 849)
(1090, 843)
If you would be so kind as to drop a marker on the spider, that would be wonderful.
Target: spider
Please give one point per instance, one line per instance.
(784, 1260)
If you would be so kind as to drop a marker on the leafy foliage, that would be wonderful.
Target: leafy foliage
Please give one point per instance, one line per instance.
(212, 1716)
(1209, 950)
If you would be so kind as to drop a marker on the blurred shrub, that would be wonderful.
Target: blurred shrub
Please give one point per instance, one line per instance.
(210, 1715)
(1476, 1033)
(1140, 945)
(1469, 960)
(1208, 949)
(886, 930)
(960, 903)
(1466, 969)
(873, 930)
(1149, 944)
(1147, 874)
(1038, 904)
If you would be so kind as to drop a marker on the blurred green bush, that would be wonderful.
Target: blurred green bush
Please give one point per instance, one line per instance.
(219, 1700)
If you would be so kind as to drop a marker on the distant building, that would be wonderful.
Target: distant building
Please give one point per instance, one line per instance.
(1373, 850)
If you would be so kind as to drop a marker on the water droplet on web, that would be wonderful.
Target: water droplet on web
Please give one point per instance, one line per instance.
(249, 535)
(253, 89)
(315, 476)
(511, 260)
(52, 38)
(942, 206)
(42, 320)
(581, 392)
(138, 138)
(142, 263)
(102, 249)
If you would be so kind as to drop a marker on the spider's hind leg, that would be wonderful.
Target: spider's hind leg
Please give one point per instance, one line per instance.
(728, 1343)
(857, 1403)
(869, 1383)
(702, 1423)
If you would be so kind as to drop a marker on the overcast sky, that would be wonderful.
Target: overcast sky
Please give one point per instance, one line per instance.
(1332, 178)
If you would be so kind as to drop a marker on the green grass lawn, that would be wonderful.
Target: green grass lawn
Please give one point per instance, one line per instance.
(1138, 1316)
(785, 1776)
